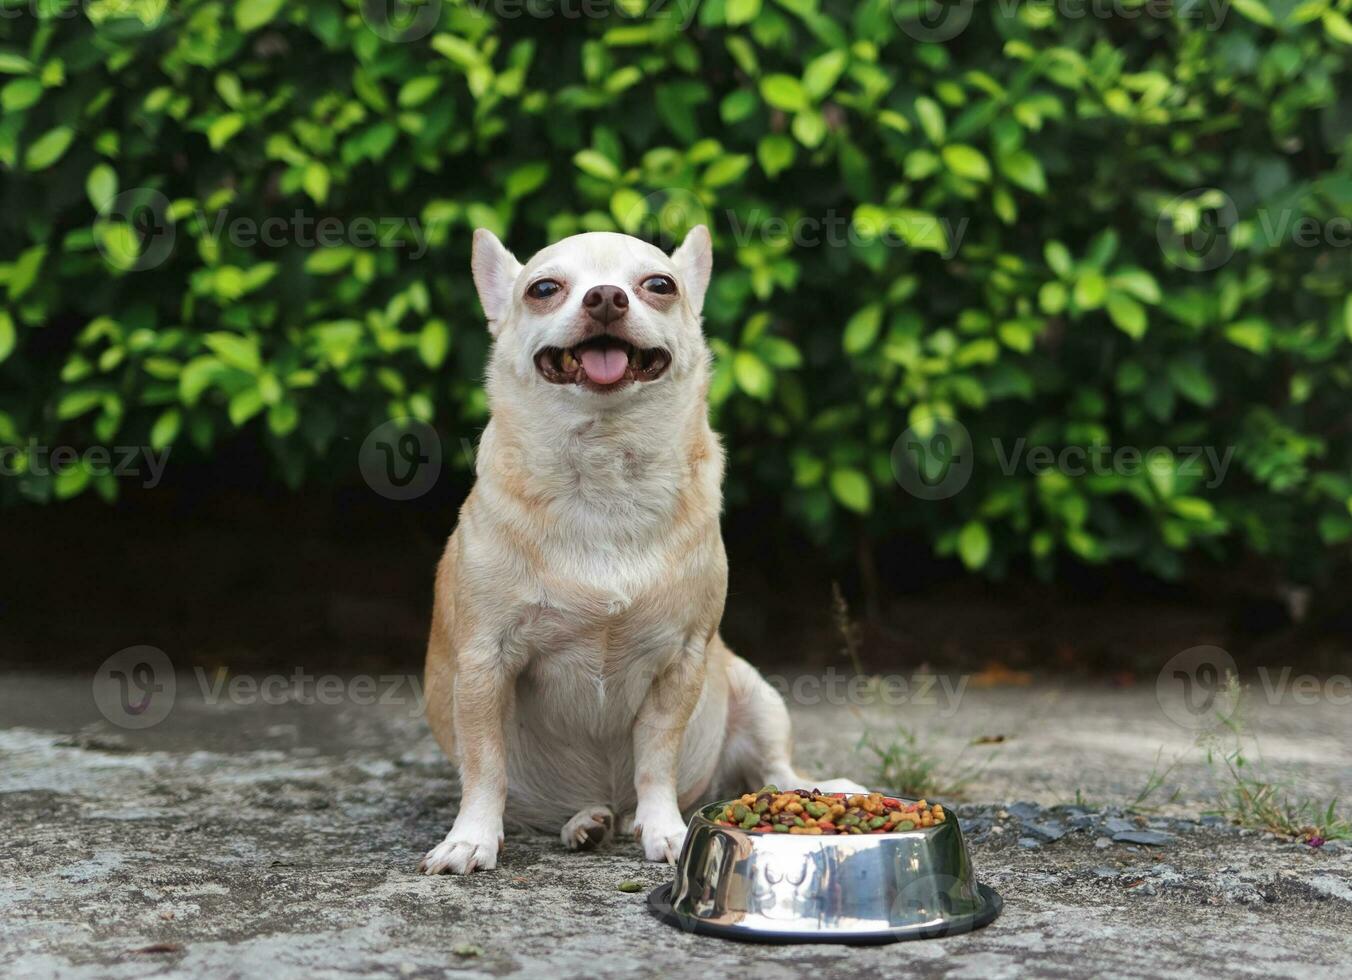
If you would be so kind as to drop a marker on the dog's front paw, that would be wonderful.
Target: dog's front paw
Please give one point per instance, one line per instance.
(662, 837)
(464, 850)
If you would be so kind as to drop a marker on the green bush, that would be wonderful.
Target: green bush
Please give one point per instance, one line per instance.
(966, 228)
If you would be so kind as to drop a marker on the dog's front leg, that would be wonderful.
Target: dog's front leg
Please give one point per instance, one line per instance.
(658, 731)
(482, 695)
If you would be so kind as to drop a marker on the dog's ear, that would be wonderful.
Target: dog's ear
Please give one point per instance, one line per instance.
(495, 273)
(694, 262)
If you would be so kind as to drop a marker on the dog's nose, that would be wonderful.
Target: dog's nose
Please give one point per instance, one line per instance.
(605, 304)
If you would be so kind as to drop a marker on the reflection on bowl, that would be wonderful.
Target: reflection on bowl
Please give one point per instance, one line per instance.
(832, 888)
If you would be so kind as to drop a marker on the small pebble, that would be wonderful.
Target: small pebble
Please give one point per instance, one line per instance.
(467, 949)
(1103, 843)
(1151, 838)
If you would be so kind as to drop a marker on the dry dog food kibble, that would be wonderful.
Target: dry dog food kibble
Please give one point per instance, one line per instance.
(802, 811)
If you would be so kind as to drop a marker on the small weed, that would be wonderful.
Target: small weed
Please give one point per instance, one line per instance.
(1154, 783)
(904, 766)
(1252, 800)
(848, 628)
(901, 764)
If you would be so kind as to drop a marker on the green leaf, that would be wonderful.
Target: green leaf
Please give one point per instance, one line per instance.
(1252, 334)
(71, 481)
(1191, 381)
(1256, 11)
(526, 179)
(823, 72)
(1052, 297)
(101, 185)
(974, 545)
(753, 377)
(780, 353)
(283, 417)
(166, 428)
(809, 128)
(784, 92)
(862, 329)
(1090, 289)
(315, 180)
(253, 14)
(741, 11)
(223, 129)
(726, 170)
(235, 350)
(852, 489)
(326, 261)
(434, 341)
(776, 153)
(14, 64)
(629, 208)
(1058, 259)
(1139, 283)
(76, 403)
(1193, 508)
(244, 406)
(8, 335)
(1022, 168)
(1337, 27)
(931, 118)
(416, 91)
(1127, 314)
(24, 272)
(48, 148)
(20, 94)
(966, 161)
(596, 164)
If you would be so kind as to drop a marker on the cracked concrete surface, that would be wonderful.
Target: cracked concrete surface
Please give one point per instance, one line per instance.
(246, 839)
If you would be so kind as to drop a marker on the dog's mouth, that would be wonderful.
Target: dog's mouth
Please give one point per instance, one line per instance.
(602, 363)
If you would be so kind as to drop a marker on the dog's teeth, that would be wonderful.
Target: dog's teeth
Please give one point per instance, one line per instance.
(568, 361)
(634, 359)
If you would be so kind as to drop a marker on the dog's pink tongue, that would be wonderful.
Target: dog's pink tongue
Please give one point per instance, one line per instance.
(604, 366)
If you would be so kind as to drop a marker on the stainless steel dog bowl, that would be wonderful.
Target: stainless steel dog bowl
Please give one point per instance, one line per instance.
(856, 888)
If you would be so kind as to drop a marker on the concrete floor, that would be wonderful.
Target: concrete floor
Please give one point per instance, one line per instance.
(239, 839)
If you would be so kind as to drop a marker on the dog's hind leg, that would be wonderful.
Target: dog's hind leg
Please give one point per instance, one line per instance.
(587, 829)
(759, 750)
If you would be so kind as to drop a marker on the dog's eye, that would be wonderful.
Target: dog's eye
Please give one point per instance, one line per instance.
(543, 289)
(661, 285)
